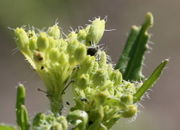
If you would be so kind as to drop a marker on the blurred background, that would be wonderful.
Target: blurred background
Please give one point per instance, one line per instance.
(161, 112)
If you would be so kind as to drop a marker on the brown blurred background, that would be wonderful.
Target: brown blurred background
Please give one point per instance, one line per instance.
(161, 112)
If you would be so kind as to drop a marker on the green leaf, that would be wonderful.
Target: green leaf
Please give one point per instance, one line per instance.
(150, 81)
(7, 127)
(22, 117)
(125, 57)
(131, 60)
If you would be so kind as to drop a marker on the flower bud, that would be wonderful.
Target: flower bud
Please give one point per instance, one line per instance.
(130, 112)
(100, 77)
(54, 31)
(80, 53)
(72, 46)
(128, 99)
(96, 30)
(83, 81)
(103, 59)
(21, 38)
(72, 36)
(116, 77)
(54, 54)
(33, 43)
(82, 34)
(56, 127)
(42, 41)
(63, 58)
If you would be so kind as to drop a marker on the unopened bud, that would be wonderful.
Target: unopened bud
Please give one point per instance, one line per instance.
(42, 41)
(54, 31)
(96, 30)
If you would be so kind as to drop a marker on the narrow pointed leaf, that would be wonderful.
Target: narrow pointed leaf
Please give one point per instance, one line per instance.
(125, 57)
(150, 81)
(131, 60)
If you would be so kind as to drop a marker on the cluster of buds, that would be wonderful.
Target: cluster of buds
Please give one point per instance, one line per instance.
(101, 95)
(54, 58)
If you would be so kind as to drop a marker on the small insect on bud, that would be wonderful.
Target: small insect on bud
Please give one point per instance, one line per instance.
(21, 38)
(84, 99)
(31, 33)
(92, 50)
(38, 56)
(42, 41)
(54, 31)
(96, 30)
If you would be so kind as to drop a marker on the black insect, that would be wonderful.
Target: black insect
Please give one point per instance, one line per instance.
(90, 122)
(84, 100)
(42, 67)
(30, 35)
(92, 50)
(68, 103)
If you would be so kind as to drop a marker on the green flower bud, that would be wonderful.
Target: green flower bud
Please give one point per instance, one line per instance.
(82, 34)
(72, 35)
(37, 119)
(32, 43)
(100, 77)
(83, 81)
(101, 97)
(128, 99)
(54, 31)
(63, 58)
(52, 42)
(42, 41)
(87, 64)
(56, 127)
(21, 38)
(130, 111)
(80, 53)
(103, 59)
(54, 54)
(78, 118)
(63, 121)
(116, 77)
(72, 46)
(96, 30)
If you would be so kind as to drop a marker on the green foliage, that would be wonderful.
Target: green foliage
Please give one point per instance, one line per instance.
(6, 127)
(131, 60)
(22, 117)
(150, 81)
(102, 94)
